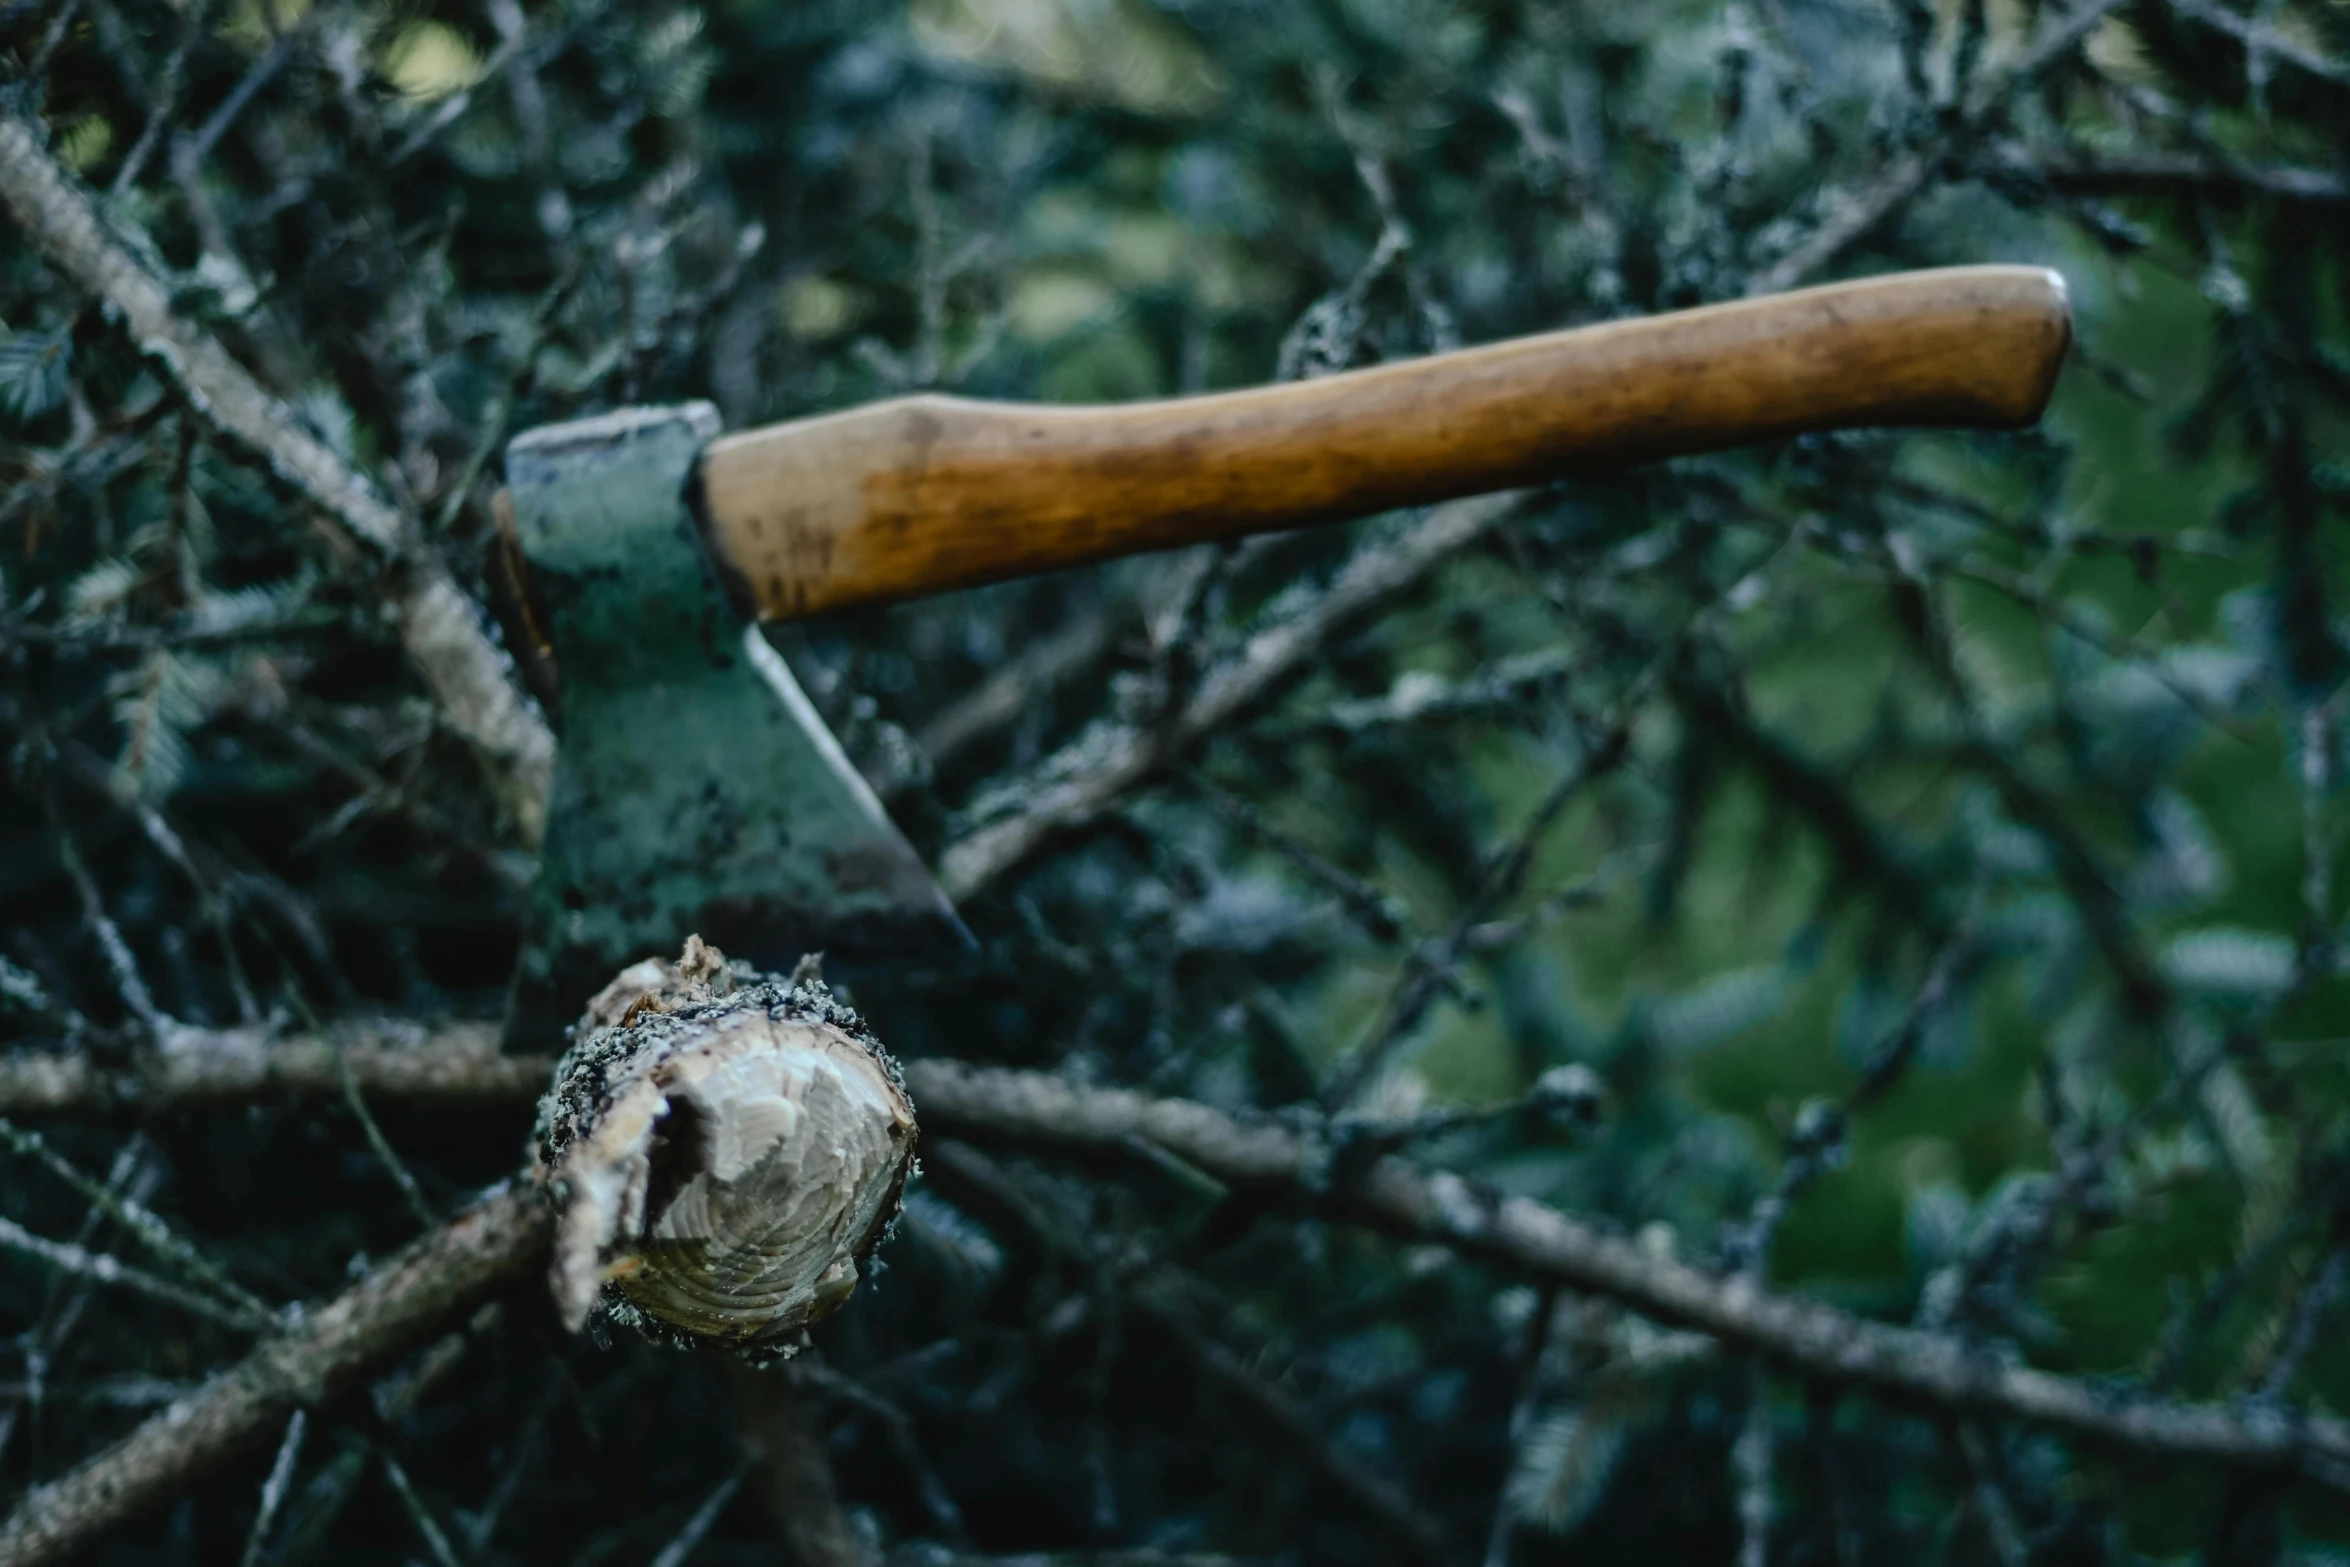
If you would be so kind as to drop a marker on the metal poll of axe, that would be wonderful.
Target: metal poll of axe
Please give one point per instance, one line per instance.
(696, 789)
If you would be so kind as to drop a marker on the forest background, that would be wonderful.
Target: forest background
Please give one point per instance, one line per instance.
(1898, 872)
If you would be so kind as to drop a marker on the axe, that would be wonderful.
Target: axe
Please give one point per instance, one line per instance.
(696, 790)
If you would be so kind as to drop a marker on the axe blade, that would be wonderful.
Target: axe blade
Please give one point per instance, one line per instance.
(696, 790)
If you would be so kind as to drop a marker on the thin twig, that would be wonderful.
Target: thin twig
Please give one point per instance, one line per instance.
(1093, 775)
(2316, 1303)
(273, 1489)
(99, 1268)
(143, 1223)
(134, 1174)
(409, 1298)
(1433, 963)
(200, 142)
(936, 1500)
(2176, 173)
(2257, 37)
(1378, 911)
(34, 83)
(1525, 1237)
(1750, 1465)
(163, 101)
(457, 1062)
(682, 1544)
(438, 623)
(385, 1154)
(1408, 1530)
(428, 1528)
(399, 1304)
(786, 1461)
(137, 999)
(1018, 687)
(1854, 215)
(1990, 1497)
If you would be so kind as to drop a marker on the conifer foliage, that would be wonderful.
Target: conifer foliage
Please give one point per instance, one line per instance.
(1785, 1007)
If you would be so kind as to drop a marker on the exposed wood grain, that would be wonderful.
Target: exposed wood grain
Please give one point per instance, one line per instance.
(928, 493)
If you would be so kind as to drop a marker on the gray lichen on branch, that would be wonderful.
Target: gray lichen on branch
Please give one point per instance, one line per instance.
(723, 1150)
(439, 624)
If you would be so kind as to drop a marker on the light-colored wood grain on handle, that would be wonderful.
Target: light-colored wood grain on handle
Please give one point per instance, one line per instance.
(921, 494)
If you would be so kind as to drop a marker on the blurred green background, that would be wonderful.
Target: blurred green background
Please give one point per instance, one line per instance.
(1968, 875)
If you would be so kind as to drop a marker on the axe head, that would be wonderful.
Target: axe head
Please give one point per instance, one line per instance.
(696, 790)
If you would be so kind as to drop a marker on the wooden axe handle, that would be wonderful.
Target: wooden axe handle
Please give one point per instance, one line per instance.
(926, 493)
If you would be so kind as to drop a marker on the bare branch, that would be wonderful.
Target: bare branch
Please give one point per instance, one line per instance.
(396, 1306)
(1990, 1498)
(1409, 1532)
(939, 1556)
(1750, 1469)
(1272, 1408)
(682, 1544)
(1013, 691)
(406, 1299)
(2258, 37)
(459, 1061)
(2179, 173)
(790, 1471)
(1850, 217)
(99, 1268)
(1853, 215)
(428, 1528)
(274, 1488)
(1523, 1236)
(137, 998)
(142, 1222)
(1437, 958)
(439, 624)
(1087, 779)
(134, 1175)
(1500, 688)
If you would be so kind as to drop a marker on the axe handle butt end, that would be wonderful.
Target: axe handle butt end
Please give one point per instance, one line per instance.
(927, 493)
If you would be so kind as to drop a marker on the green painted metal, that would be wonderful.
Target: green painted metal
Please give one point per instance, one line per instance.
(696, 790)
